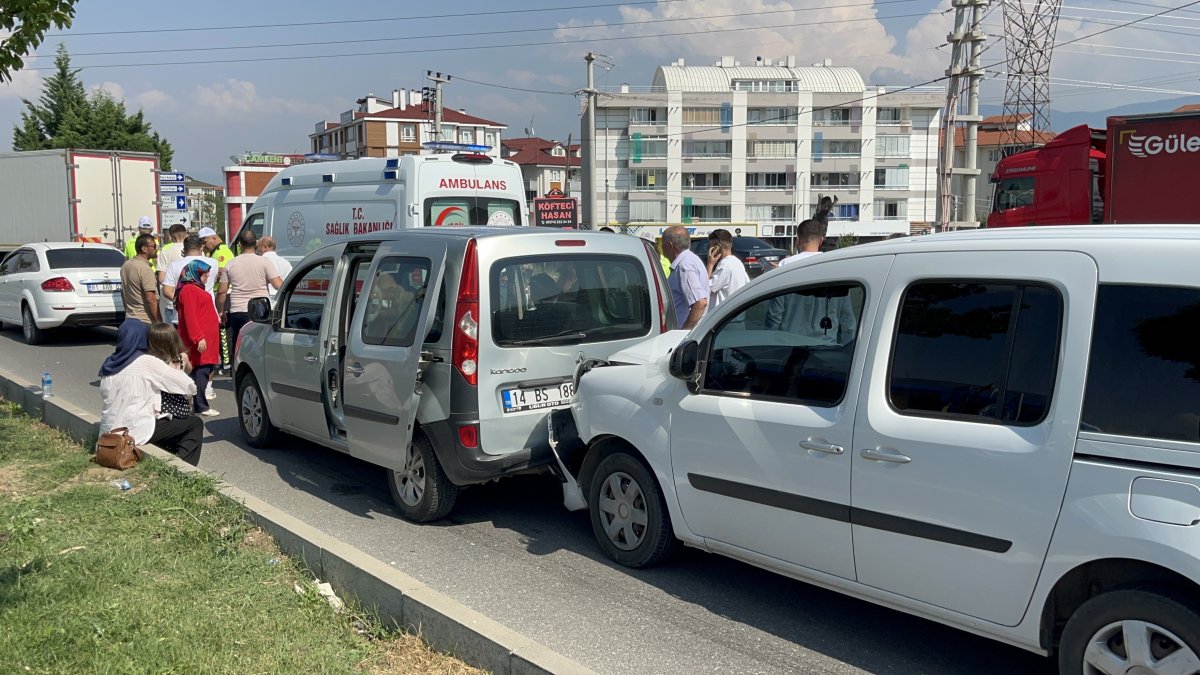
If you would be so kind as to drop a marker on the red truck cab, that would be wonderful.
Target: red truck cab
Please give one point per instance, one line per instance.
(1142, 169)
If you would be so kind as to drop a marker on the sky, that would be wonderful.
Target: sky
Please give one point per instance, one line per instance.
(230, 77)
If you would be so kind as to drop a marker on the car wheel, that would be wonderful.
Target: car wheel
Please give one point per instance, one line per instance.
(1131, 631)
(420, 489)
(252, 414)
(29, 330)
(629, 515)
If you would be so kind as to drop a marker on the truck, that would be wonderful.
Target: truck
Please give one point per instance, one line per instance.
(1139, 170)
(94, 196)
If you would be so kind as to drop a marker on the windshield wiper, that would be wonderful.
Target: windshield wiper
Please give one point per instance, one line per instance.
(565, 336)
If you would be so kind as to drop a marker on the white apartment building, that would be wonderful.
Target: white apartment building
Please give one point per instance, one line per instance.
(753, 146)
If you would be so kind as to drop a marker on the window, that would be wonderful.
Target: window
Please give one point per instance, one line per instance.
(706, 213)
(844, 212)
(27, 261)
(769, 212)
(489, 138)
(835, 117)
(767, 86)
(892, 178)
(993, 155)
(648, 179)
(255, 222)
(768, 181)
(66, 258)
(305, 299)
(1014, 192)
(10, 263)
(891, 146)
(840, 179)
(702, 117)
(1144, 369)
(395, 302)
(706, 181)
(466, 136)
(471, 211)
(768, 149)
(841, 148)
(797, 347)
(568, 300)
(891, 210)
(647, 116)
(641, 148)
(987, 351)
(888, 116)
(774, 115)
(707, 148)
(408, 133)
(647, 212)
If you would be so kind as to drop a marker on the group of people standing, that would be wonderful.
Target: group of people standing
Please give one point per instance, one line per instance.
(184, 305)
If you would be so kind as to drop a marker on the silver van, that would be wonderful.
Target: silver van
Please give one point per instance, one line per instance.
(439, 353)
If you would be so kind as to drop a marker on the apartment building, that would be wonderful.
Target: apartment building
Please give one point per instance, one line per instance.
(545, 165)
(397, 126)
(752, 147)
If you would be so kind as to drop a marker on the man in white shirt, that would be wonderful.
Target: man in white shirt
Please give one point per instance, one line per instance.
(726, 272)
(169, 253)
(193, 249)
(266, 248)
(809, 237)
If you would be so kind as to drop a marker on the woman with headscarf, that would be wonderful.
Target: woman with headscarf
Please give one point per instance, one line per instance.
(200, 329)
(131, 386)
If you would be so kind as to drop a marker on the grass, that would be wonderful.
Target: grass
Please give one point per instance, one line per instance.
(167, 577)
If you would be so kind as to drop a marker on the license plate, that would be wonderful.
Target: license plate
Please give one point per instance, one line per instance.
(532, 398)
(771, 258)
(108, 287)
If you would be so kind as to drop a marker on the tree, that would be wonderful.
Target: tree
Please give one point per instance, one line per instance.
(27, 22)
(66, 117)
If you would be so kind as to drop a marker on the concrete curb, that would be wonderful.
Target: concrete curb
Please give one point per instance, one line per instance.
(399, 600)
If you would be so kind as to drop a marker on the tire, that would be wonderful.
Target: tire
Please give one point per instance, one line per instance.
(29, 330)
(253, 417)
(1099, 632)
(629, 514)
(421, 490)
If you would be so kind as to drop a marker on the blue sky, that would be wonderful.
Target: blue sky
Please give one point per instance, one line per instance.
(212, 110)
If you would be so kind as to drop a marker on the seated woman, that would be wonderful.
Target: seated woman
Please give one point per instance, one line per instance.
(131, 387)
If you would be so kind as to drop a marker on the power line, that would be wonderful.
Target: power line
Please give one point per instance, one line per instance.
(504, 86)
(458, 15)
(460, 48)
(472, 34)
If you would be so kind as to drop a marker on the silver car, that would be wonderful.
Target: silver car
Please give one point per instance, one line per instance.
(439, 354)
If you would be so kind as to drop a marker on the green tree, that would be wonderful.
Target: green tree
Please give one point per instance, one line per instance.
(27, 22)
(847, 240)
(66, 117)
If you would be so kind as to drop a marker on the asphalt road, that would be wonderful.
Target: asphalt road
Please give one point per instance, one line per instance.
(512, 552)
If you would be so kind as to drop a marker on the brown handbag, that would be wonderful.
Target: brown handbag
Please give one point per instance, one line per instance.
(116, 450)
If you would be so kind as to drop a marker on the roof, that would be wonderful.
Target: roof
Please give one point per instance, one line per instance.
(997, 138)
(518, 144)
(1191, 107)
(425, 112)
(1000, 120)
(820, 79)
(541, 157)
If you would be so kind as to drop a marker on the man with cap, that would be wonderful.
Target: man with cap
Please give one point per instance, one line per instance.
(145, 226)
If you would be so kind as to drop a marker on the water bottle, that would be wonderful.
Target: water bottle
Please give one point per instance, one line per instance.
(47, 385)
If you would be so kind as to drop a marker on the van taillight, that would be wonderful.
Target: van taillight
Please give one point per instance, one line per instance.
(652, 255)
(466, 318)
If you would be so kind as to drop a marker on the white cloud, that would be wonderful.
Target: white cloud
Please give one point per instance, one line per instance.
(154, 99)
(25, 84)
(114, 89)
(235, 97)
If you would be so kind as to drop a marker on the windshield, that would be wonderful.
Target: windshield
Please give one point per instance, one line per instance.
(75, 258)
(568, 299)
(467, 210)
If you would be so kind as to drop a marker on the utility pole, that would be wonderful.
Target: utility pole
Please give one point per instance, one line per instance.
(588, 165)
(438, 80)
(966, 46)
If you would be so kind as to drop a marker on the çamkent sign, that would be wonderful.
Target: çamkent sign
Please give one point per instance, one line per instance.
(555, 210)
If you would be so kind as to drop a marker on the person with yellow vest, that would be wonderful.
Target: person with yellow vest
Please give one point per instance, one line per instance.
(145, 226)
(217, 250)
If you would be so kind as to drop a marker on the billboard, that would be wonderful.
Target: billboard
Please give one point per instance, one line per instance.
(555, 212)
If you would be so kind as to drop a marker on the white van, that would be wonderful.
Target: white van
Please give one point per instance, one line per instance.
(996, 430)
(308, 206)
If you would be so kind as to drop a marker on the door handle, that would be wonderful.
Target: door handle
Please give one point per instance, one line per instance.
(355, 369)
(885, 455)
(821, 445)
(309, 358)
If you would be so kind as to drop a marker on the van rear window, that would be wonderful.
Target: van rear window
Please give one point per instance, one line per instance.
(467, 210)
(568, 299)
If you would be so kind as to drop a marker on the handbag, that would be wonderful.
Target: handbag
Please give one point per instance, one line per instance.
(178, 406)
(115, 450)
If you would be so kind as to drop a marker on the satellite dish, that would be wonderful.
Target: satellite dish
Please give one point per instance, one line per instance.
(235, 159)
(529, 131)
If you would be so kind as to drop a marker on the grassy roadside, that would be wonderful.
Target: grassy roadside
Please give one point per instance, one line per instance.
(164, 577)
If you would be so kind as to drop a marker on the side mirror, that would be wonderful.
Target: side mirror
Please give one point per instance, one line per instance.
(259, 310)
(683, 360)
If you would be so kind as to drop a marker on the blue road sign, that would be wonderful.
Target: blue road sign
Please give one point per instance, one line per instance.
(171, 177)
(181, 202)
(172, 189)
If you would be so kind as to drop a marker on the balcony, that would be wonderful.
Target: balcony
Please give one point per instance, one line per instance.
(648, 188)
(837, 123)
(706, 188)
(709, 155)
(770, 188)
(891, 187)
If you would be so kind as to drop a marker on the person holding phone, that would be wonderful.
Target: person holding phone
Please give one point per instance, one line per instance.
(726, 273)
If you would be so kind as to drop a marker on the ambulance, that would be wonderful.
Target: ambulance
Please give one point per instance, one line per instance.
(308, 206)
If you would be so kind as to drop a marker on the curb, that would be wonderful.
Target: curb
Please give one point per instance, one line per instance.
(398, 599)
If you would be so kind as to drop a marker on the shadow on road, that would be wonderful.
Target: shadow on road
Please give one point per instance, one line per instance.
(66, 337)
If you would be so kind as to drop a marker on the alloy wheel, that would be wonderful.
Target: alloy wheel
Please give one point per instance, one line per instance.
(411, 479)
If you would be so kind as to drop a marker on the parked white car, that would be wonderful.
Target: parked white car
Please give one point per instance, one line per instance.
(997, 430)
(61, 285)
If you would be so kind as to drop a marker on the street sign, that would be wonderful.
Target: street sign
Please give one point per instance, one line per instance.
(181, 202)
(555, 212)
(172, 189)
(171, 177)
